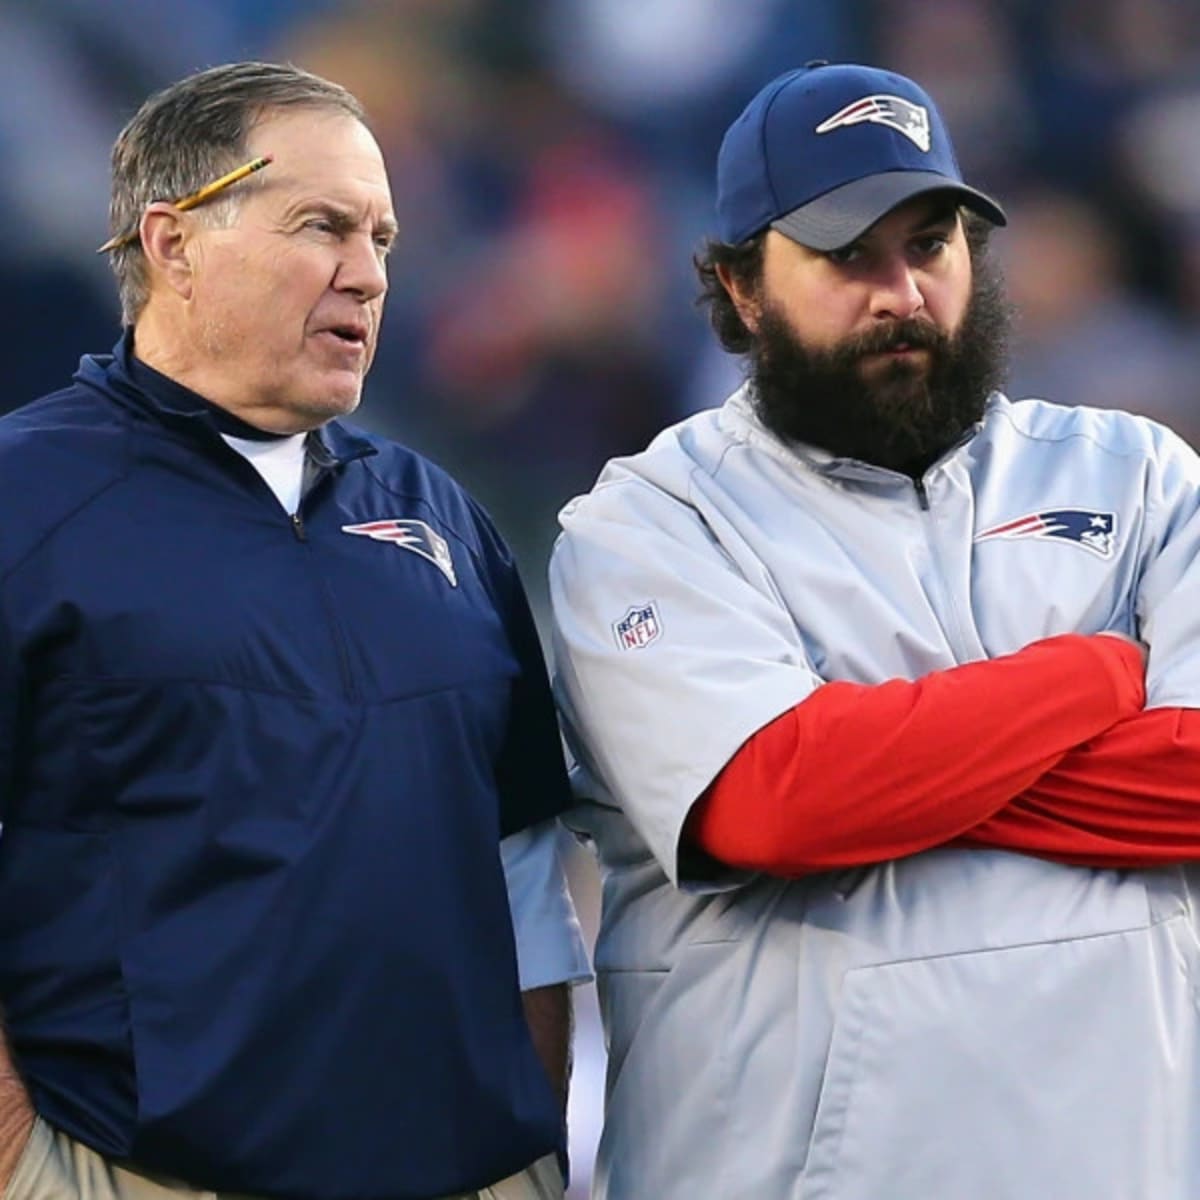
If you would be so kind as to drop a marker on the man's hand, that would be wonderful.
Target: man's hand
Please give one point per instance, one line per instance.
(548, 1013)
(16, 1116)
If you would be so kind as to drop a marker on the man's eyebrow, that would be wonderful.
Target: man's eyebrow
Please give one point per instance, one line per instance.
(344, 217)
(311, 206)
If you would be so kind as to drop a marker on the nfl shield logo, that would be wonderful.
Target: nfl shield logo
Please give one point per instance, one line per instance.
(638, 627)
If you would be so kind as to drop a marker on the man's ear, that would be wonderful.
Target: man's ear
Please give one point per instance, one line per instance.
(165, 233)
(745, 299)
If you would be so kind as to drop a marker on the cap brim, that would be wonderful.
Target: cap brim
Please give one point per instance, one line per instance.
(843, 215)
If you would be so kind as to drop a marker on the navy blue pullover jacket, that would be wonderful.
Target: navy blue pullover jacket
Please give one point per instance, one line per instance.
(254, 771)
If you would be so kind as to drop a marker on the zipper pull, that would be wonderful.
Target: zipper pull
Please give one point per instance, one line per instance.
(298, 528)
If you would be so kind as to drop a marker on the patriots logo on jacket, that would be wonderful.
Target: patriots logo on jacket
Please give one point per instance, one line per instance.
(411, 535)
(893, 111)
(1094, 531)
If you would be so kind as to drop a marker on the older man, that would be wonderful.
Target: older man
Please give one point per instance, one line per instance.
(274, 725)
(897, 822)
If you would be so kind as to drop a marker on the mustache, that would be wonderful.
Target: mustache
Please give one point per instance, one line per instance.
(912, 332)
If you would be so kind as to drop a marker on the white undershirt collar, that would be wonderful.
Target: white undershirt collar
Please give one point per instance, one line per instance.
(280, 462)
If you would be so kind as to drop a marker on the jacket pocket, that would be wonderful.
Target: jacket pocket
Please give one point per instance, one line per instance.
(1052, 1069)
(669, 1078)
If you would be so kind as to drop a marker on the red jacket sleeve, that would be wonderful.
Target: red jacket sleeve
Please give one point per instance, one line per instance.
(1129, 798)
(858, 774)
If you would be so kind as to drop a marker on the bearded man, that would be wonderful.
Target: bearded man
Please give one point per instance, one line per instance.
(882, 690)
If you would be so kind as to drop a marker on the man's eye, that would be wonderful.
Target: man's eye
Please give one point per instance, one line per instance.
(843, 254)
(932, 243)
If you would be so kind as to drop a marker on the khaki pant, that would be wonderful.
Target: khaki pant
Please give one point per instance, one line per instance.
(56, 1167)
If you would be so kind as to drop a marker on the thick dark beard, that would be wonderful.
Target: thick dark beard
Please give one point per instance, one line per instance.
(903, 417)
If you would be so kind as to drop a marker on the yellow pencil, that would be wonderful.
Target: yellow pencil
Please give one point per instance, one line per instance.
(197, 197)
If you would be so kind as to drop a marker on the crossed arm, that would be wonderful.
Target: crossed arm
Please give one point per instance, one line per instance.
(1047, 751)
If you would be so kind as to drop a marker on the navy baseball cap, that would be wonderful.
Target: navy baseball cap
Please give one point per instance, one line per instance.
(824, 151)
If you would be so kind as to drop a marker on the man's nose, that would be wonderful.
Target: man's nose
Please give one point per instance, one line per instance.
(897, 292)
(362, 269)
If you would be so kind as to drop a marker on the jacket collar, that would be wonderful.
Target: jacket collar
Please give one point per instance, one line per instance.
(739, 412)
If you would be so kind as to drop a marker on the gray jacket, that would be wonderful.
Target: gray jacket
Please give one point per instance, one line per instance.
(960, 1023)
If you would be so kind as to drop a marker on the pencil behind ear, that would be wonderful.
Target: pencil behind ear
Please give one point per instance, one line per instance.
(198, 197)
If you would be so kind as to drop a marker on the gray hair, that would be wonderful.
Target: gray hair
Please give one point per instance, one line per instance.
(189, 134)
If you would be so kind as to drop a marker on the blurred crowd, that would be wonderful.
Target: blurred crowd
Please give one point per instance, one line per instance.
(552, 167)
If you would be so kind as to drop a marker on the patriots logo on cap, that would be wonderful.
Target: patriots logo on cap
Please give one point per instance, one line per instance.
(638, 627)
(411, 535)
(893, 111)
(1094, 531)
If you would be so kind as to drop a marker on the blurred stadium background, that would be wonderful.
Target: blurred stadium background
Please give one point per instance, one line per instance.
(552, 168)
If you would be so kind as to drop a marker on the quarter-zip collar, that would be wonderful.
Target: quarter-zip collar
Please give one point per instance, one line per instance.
(740, 417)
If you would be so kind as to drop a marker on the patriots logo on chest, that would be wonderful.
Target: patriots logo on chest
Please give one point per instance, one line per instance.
(414, 535)
(1093, 531)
